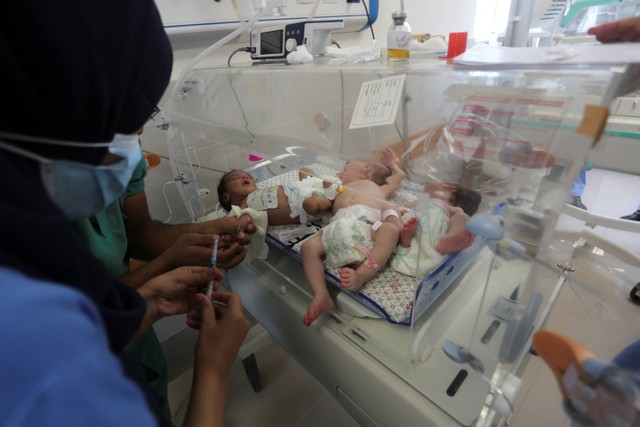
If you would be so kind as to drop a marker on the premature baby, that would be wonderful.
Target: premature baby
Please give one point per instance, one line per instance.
(291, 203)
(362, 234)
(443, 230)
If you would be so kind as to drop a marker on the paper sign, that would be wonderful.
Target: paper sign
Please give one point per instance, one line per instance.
(378, 102)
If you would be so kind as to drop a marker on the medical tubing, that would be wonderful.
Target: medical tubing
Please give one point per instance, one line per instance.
(220, 43)
(587, 311)
(166, 199)
(313, 11)
(234, 3)
(50, 141)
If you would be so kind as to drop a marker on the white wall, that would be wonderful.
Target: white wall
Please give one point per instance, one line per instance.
(424, 16)
(430, 16)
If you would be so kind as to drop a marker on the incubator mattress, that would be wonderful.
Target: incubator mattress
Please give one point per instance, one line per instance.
(390, 294)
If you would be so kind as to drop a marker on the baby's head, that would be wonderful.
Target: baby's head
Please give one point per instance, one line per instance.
(355, 170)
(234, 187)
(377, 172)
(456, 195)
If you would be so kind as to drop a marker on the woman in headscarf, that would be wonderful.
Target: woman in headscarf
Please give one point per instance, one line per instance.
(79, 79)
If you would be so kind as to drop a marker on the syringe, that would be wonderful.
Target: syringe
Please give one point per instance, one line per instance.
(214, 259)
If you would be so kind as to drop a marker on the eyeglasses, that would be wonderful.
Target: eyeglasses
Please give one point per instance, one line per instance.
(154, 113)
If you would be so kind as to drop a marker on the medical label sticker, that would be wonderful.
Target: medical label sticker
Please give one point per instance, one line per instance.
(504, 309)
(378, 102)
(188, 87)
(299, 232)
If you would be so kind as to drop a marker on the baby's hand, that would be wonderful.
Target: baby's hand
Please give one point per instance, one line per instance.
(305, 172)
(389, 157)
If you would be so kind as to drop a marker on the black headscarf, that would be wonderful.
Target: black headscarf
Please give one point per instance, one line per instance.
(73, 70)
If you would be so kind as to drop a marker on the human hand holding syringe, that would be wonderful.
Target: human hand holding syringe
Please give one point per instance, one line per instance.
(214, 260)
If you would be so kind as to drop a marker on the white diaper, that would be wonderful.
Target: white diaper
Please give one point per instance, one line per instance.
(298, 191)
(349, 229)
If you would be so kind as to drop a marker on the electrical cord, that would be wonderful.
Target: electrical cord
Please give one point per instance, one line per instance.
(366, 9)
(240, 49)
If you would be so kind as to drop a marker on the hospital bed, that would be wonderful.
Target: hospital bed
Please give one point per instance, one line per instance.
(519, 136)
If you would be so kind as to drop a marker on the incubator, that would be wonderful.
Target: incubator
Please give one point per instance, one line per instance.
(446, 342)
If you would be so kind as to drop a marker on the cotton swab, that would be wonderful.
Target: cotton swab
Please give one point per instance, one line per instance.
(214, 259)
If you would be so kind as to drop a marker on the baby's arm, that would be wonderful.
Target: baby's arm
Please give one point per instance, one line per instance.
(305, 172)
(392, 161)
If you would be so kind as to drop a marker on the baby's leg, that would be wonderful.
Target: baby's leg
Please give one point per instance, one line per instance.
(457, 236)
(312, 251)
(315, 205)
(385, 240)
(408, 230)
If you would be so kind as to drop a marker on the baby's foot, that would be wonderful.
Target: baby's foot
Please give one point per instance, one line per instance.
(455, 242)
(319, 305)
(409, 230)
(350, 279)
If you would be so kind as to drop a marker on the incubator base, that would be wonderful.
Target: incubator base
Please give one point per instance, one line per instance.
(384, 374)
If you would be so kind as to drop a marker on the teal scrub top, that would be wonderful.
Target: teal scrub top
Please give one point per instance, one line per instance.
(105, 233)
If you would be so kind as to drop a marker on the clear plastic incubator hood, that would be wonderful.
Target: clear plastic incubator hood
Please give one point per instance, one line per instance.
(444, 340)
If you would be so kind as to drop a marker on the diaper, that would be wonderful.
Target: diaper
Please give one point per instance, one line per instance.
(421, 257)
(349, 228)
(298, 191)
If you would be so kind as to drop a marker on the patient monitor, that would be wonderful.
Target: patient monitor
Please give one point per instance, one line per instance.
(276, 42)
(447, 345)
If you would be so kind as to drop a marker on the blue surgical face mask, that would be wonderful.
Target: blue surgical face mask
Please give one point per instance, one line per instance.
(81, 190)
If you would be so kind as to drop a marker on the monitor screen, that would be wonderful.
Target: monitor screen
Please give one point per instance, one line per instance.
(271, 42)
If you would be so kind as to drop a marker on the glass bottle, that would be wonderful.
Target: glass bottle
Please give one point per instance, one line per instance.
(399, 39)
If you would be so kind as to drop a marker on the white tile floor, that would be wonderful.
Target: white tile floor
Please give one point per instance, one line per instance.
(600, 317)
(290, 397)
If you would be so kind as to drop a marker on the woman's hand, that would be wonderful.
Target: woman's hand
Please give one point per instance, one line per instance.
(234, 235)
(624, 30)
(191, 249)
(222, 330)
(174, 292)
(196, 248)
(233, 229)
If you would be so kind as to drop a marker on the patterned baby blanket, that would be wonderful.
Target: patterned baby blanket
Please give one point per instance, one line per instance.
(390, 294)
